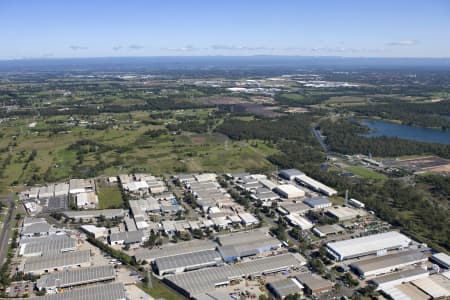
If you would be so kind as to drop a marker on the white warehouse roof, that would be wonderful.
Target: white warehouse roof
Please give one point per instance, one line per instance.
(289, 191)
(367, 245)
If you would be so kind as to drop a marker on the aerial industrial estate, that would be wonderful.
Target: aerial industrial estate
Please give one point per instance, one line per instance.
(188, 233)
(213, 183)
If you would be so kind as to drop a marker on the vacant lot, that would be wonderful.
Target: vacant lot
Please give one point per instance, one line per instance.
(109, 196)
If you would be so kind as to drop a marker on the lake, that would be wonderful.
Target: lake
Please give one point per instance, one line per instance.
(381, 128)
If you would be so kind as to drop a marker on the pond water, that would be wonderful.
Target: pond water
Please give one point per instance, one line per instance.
(382, 128)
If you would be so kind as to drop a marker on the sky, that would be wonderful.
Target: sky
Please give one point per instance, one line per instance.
(350, 28)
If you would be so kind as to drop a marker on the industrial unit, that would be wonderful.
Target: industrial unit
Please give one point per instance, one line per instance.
(196, 283)
(57, 262)
(237, 245)
(388, 263)
(343, 213)
(75, 277)
(112, 291)
(318, 202)
(289, 191)
(367, 245)
(400, 277)
(188, 261)
(315, 185)
(283, 288)
(49, 245)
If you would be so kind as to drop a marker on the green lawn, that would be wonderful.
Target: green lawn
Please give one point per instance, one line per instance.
(160, 290)
(366, 173)
(109, 197)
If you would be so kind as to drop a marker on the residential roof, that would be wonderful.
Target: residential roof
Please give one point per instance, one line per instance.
(76, 277)
(113, 291)
(187, 260)
(56, 261)
(369, 244)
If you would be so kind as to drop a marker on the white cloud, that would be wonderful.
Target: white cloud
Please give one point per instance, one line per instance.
(77, 47)
(403, 43)
(135, 47)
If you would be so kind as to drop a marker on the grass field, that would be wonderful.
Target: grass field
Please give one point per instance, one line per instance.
(366, 173)
(160, 290)
(109, 196)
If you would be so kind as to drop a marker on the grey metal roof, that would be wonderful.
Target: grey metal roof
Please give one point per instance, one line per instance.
(187, 260)
(201, 281)
(36, 228)
(89, 214)
(398, 275)
(113, 291)
(76, 277)
(294, 207)
(285, 287)
(386, 261)
(48, 245)
(313, 201)
(290, 172)
(56, 261)
(246, 243)
(168, 250)
(314, 282)
(129, 237)
(329, 229)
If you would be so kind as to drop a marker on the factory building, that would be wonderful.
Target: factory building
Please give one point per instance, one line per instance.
(49, 245)
(400, 277)
(290, 174)
(242, 244)
(367, 245)
(112, 291)
(289, 191)
(187, 261)
(195, 284)
(45, 264)
(318, 202)
(296, 220)
(87, 215)
(315, 185)
(76, 277)
(314, 285)
(343, 213)
(285, 287)
(388, 263)
(441, 259)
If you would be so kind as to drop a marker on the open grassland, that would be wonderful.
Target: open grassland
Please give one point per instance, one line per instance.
(109, 196)
(366, 172)
(38, 155)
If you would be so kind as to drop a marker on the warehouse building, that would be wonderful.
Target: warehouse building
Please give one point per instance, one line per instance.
(290, 174)
(49, 245)
(75, 277)
(87, 215)
(169, 250)
(248, 219)
(57, 262)
(94, 231)
(87, 200)
(344, 213)
(388, 263)
(293, 208)
(315, 185)
(367, 245)
(289, 191)
(197, 283)
(35, 227)
(126, 237)
(441, 259)
(313, 284)
(283, 288)
(318, 202)
(324, 230)
(112, 291)
(390, 280)
(186, 262)
(77, 186)
(242, 244)
(296, 220)
(436, 286)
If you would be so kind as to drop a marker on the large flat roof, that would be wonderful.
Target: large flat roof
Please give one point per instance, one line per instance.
(187, 260)
(56, 261)
(368, 244)
(246, 243)
(200, 281)
(107, 213)
(113, 291)
(392, 260)
(76, 277)
(399, 275)
(168, 250)
(48, 245)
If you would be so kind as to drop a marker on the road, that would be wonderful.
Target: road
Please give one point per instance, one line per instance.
(7, 227)
(319, 139)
